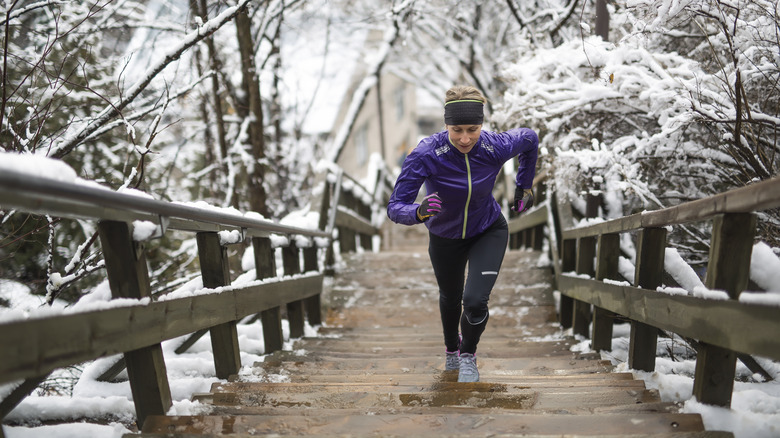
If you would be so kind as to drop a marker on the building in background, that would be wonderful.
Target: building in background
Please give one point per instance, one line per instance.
(386, 124)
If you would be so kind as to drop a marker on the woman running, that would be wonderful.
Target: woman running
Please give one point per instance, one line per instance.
(459, 167)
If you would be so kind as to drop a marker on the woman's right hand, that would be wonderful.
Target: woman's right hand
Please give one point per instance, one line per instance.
(430, 206)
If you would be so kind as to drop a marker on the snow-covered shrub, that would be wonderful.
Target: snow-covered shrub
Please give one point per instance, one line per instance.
(656, 118)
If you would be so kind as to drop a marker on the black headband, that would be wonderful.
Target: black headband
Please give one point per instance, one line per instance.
(463, 112)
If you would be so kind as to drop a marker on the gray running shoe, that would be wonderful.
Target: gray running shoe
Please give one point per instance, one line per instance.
(453, 361)
(468, 368)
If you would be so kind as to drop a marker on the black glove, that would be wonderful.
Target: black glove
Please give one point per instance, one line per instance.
(524, 199)
(430, 206)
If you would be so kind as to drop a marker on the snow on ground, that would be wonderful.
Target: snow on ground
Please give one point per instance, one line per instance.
(755, 404)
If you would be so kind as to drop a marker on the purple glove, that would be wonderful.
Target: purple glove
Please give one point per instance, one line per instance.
(430, 206)
(524, 199)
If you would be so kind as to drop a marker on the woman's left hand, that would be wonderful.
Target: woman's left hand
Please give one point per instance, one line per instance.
(524, 199)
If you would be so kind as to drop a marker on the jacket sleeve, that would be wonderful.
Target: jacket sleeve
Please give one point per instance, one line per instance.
(524, 145)
(401, 208)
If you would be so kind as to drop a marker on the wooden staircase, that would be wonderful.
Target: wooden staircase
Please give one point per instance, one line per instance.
(376, 368)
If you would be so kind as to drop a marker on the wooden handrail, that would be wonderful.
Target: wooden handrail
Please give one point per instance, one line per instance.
(760, 196)
(138, 326)
(720, 329)
(37, 346)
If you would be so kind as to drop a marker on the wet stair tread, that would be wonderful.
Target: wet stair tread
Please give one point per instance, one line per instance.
(525, 380)
(430, 364)
(453, 423)
(464, 434)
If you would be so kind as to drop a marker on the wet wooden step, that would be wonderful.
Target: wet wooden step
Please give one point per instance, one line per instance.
(502, 295)
(365, 396)
(684, 434)
(420, 424)
(429, 365)
(417, 315)
(621, 380)
(424, 279)
(646, 408)
(412, 334)
(491, 347)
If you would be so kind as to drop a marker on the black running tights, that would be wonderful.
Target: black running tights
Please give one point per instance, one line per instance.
(483, 255)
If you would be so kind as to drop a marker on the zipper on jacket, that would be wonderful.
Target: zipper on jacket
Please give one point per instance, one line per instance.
(468, 198)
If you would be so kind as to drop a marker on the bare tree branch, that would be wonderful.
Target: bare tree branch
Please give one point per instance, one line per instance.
(115, 110)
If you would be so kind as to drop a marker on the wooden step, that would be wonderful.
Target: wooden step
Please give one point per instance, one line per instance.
(424, 278)
(646, 408)
(451, 424)
(502, 295)
(682, 434)
(621, 380)
(365, 395)
(429, 365)
(417, 315)
(490, 347)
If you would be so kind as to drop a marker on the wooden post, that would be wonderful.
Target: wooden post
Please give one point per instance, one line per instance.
(347, 240)
(538, 239)
(649, 272)
(295, 313)
(265, 266)
(568, 264)
(313, 304)
(607, 259)
(128, 277)
(325, 207)
(586, 251)
(602, 19)
(215, 270)
(728, 269)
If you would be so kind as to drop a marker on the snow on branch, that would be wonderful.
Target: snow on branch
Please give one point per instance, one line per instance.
(114, 110)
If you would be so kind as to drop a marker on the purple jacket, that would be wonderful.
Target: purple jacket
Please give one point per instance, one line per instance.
(463, 181)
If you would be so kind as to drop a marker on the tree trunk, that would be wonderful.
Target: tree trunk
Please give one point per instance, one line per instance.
(219, 113)
(602, 20)
(252, 108)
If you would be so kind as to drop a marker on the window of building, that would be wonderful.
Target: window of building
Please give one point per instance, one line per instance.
(361, 144)
(400, 103)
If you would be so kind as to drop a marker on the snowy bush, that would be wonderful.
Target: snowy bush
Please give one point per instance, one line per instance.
(683, 106)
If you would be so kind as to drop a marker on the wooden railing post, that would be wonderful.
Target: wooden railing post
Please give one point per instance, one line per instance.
(215, 270)
(295, 313)
(128, 277)
(586, 251)
(313, 304)
(514, 241)
(607, 259)
(568, 264)
(265, 267)
(649, 273)
(728, 269)
(324, 224)
(366, 240)
(538, 238)
(347, 237)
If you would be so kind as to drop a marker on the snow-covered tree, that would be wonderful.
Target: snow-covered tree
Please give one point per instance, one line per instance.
(682, 106)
